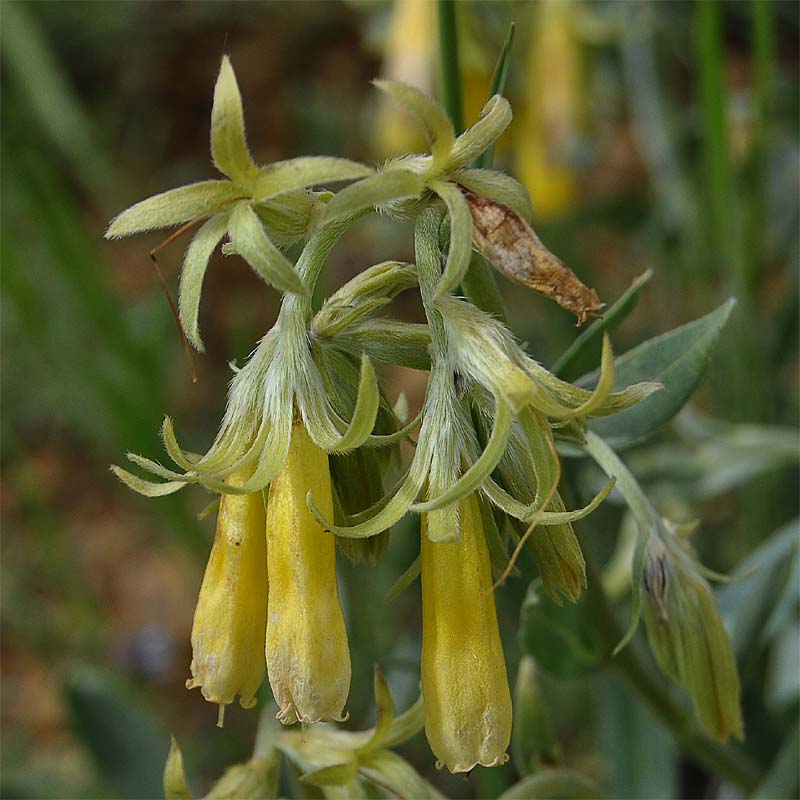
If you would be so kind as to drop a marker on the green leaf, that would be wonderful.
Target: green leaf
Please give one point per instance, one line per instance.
(173, 207)
(194, 269)
(747, 604)
(174, 780)
(783, 776)
(556, 636)
(228, 143)
(499, 77)
(678, 360)
(112, 722)
(640, 754)
(299, 173)
(584, 352)
(385, 187)
(248, 236)
(435, 122)
(553, 784)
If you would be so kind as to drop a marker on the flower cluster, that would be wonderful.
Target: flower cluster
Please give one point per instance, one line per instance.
(308, 434)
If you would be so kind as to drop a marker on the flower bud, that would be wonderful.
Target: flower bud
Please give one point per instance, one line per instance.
(308, 659)
(559, 558)
(231, 613)
(464, 682)
(688, 638)
(357, 479)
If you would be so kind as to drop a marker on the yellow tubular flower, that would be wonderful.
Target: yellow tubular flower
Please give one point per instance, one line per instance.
(231, 614)
(464, 682)
(308, 659)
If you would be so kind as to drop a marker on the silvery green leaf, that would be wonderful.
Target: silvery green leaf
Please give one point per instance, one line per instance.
(494, 119)
(248, 236)
(496, 186)
(460, 249)
(384, 188)
(678, 360)
(147, 488)
(173, 207)
(194, 269)
(433, 118)
(228, 143)
(298, 173)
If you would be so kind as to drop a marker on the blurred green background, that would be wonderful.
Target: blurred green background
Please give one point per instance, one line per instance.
(657, 136)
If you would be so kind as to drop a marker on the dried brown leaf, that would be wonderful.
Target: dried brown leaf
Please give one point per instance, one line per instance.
(513, 248)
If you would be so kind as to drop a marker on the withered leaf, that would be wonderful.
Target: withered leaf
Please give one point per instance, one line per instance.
(513, 248)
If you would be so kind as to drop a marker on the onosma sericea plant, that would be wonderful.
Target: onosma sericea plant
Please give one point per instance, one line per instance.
(484, 475)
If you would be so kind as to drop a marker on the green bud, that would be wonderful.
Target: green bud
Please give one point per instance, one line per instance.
(559, 558)
(357, 481)
(687, 636)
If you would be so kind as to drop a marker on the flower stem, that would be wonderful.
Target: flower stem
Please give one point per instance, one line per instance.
(478, 285)
(722, 760)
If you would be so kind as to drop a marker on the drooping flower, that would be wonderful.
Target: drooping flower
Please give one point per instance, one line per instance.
(231, 614)
(308, 660)
(464, 681)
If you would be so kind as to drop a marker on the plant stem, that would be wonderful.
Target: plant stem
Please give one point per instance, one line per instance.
(719, 759)
(449, 70)
(478, 285)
